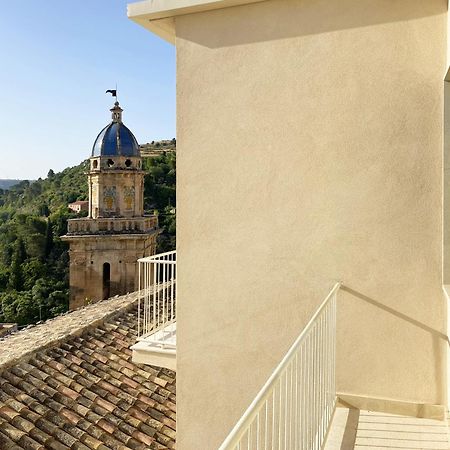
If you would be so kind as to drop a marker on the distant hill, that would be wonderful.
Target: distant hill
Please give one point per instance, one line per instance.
(157, 148)
(6, 183)
(51, 193)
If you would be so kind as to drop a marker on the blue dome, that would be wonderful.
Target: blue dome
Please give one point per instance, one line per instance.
(116, 139)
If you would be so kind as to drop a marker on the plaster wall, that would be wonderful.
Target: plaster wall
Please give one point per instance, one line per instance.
(309, 151)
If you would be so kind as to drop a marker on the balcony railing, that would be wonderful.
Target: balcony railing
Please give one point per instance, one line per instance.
(294, 408)
(116, 225)
(157, 300)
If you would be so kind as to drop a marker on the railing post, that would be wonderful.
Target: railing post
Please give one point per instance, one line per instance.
(139, 299)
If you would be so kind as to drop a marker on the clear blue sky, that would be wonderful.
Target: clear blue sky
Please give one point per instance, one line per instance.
(57, 59)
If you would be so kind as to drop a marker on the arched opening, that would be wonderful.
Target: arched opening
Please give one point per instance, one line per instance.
(106, 281)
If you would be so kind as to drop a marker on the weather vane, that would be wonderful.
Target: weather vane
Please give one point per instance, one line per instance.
(113, 92)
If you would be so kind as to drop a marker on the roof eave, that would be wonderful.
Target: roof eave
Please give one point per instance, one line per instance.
(158, 16)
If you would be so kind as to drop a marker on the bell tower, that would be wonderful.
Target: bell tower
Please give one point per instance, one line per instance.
(116, 178)
(105, 245)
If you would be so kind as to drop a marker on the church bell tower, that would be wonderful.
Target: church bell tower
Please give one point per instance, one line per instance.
(105, 245)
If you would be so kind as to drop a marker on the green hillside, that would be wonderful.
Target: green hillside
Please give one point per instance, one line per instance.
(34, 262)
(155, 148)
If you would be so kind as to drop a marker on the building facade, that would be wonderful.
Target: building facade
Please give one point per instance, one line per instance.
(105, 245)
(78, 206)
(310, 137)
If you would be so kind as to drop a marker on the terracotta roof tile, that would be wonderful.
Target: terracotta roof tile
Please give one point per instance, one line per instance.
(8, 413)
(147, 440)
(79, 446)
(71, 416)
(92, 442)
(40, 436)
(55, 445)
(12, 432)
(6, 443)
(84, 392)
(30, 444)
(22, 424)
(37, 408)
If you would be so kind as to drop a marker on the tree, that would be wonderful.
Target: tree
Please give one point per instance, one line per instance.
(48, 238)
(50, 174)
(4, 278)
(18, 307)
(32, 270)
(58, 302)
(59, 220)
(43, 210)
(19, 255)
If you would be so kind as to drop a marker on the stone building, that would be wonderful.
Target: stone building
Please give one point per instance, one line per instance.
(105, 245)
(78, 206)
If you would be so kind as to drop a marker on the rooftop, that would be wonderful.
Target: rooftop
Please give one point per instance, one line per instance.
(79, 202)
(69, 383)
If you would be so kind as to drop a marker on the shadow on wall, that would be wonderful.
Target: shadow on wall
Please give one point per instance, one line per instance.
(297, 18)
(437, 336)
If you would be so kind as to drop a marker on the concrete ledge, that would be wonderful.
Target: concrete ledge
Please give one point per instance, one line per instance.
(422, 410)
(143, 353)
(157, 16)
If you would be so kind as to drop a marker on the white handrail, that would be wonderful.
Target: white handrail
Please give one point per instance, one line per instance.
(157, 257)
(309, 362)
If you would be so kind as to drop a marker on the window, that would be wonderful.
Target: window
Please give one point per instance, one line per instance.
(106, 280)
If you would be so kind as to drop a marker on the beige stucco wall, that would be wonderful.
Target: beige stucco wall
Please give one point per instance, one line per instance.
(309, 151)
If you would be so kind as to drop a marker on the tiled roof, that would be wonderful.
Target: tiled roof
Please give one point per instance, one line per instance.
(80, 202)
(82, 391)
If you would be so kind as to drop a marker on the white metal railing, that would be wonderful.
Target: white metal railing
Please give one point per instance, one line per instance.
(157, 298)
(294, 408)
